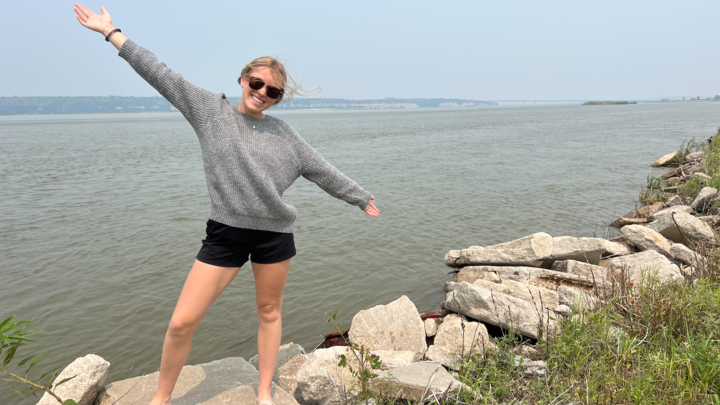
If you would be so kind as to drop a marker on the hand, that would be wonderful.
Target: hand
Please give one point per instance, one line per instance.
(371, 209)
(102, 24)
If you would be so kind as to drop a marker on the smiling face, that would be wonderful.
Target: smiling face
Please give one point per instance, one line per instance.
(254, 102)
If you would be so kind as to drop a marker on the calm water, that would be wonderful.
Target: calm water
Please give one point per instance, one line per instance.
(101, 216)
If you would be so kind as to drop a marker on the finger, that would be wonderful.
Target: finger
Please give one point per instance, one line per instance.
(81, 21)
(85, 10)
(372, 198)
(104, 12)
(80, 13)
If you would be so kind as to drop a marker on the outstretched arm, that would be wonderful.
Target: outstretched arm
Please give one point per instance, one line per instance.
(195, 103)
(99, 23)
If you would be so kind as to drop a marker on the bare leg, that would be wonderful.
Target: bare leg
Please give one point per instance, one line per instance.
(203, 285)
(269, 285)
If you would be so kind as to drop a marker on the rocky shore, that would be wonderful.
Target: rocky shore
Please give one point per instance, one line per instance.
(526, 286)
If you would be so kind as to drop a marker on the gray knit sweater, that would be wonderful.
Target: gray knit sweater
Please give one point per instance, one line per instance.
(249, 162)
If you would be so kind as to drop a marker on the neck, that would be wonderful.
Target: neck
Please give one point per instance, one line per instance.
(258, 115)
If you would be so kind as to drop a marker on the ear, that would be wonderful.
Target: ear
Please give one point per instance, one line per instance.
(241, 81)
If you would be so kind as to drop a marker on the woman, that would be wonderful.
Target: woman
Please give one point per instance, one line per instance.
(250, 159)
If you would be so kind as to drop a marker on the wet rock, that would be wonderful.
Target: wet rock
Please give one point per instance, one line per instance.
(287, 352)
(685, 224)
(587, 250)
(674, 200)
(395, 326)
(643, 265)
(587, 270)
(670, 210)
(664, 160)
(528, 251)
(418, 381)
(498, 309)
(645, 238)
(231, 380)
(540, 297)
(90, 372)
(449, 345)
(531, 368)
(705, 195)
(430, 327)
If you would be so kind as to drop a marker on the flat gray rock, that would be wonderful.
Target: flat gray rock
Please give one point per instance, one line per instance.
(287, 352)
(645, 264)
(418, 381)
(680, 224)
(586, 270)
(528, 251)
(670, 210)
(228, 381)
(589, 250)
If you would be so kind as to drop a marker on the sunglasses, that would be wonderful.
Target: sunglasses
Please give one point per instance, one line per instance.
(257, 84)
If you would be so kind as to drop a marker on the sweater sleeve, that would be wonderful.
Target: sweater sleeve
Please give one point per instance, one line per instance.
(328, 178)
(195, 103)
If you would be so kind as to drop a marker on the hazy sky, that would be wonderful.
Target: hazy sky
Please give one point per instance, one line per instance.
(374, 49)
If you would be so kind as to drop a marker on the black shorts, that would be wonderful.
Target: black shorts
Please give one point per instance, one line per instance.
(227, 246)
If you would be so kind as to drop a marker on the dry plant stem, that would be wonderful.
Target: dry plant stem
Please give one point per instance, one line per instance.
(30, 383)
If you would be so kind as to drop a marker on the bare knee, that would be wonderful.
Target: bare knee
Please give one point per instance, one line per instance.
(181, 328)
(268, 313)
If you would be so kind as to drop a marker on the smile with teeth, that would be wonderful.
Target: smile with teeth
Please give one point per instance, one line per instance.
(256, 99)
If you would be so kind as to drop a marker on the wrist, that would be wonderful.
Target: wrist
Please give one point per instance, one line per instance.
(106, 30)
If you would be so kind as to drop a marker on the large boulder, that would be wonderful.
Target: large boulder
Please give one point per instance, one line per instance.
(528, 275)
(645, 238)
(230, 380)
(670, 210)
(287, 376)
(664, 160)
(418, 382)
(528, 251)
(395, 326)
(705, 195)
(539, 296)
(643, 265)
(693, 157)
(452, 341)
(320, 381)
(393, 358)
(589, 250)
(686, 255)
(498, 309)
(587, 270)
(287, 352)
(679, 224)
(90, 373)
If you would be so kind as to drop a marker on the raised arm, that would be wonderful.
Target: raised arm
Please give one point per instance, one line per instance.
(195, 103)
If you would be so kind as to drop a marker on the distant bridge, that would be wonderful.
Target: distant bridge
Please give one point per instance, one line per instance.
(505, 102)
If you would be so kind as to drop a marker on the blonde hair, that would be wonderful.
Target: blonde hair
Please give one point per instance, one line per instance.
(286, 82)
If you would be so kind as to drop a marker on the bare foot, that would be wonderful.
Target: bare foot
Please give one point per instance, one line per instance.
(161, 401)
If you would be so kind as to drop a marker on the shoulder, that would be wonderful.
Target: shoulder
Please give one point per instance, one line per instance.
(284, 129)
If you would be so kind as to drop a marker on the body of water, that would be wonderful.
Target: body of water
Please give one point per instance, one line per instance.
(101, 215)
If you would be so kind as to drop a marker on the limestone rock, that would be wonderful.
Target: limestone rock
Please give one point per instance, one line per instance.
(320, 379)
(588, 270)
(675, 172)
(577, 299)
(287, 376)
(536, 368)
(498, 309)
(549, 279)
(693, 228)
(392, 357)
(449, 346)
(620, 222)
(645, 238)
(430, 327)
(287, 352)
(563, 310)
(672, 181)
(706, 194)
(540, 297)
(231, 380)
(645, 264)
(670, 210)
(664, 160)
(528, 251)
(396, 326)
(417, 381)
(686, 255)
(90, 372)
(616, 248)
(587, 250)
(693, 157)
(674, 200)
